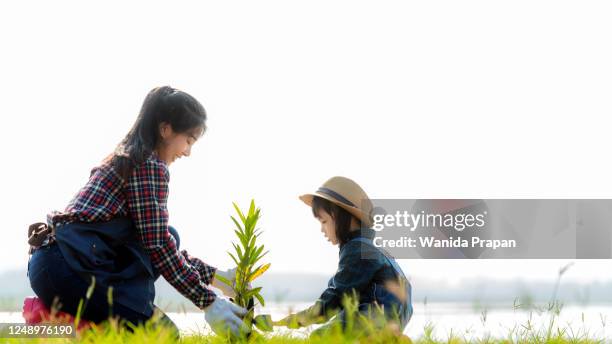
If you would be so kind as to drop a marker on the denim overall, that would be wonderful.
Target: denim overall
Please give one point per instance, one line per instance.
(374, 295)
(387, 299)
(109, 251)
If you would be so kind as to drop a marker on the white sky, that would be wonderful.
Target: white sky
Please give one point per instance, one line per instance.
(428, 99)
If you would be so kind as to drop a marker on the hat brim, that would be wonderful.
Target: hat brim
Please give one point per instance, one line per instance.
(358, 213)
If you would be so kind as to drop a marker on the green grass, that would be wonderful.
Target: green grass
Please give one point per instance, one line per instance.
(359, 330)
(110, 333)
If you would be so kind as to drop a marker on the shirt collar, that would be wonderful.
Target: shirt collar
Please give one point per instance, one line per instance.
(156, 157)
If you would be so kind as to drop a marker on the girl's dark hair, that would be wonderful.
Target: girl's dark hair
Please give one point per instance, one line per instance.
(163, 104)
(341, 217)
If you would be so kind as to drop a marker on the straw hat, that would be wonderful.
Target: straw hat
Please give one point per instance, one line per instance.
(346, 194)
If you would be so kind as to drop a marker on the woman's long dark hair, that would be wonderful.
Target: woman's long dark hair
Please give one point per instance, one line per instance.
(341, 217)
(163, 104)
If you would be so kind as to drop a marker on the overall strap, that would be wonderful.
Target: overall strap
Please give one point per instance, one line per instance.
(407, 311)
(384, 253)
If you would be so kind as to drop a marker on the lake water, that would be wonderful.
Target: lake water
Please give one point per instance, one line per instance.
(462, 318)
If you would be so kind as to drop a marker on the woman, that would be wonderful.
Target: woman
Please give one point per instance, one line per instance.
(115, 233)
(381, 290)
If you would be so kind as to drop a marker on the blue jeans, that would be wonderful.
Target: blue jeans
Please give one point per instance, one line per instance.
(58, 286)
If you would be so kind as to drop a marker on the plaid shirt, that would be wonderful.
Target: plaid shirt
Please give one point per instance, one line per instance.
(143, 198)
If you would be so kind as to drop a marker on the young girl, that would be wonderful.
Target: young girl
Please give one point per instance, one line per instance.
(344, 210)
(115, 233)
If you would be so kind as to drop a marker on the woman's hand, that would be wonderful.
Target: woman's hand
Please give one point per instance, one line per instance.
(229, 275)
(223, 316)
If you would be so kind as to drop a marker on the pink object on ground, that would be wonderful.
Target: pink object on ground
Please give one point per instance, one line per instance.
(35, 312)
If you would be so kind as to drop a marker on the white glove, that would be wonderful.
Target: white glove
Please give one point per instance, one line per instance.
(224, 316)
(229, 275)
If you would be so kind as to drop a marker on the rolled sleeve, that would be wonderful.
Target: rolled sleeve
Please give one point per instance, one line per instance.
(206, 271)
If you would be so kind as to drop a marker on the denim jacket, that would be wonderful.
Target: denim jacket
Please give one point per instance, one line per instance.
(370, 272)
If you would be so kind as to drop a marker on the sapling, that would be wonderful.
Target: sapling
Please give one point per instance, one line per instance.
(247, 255)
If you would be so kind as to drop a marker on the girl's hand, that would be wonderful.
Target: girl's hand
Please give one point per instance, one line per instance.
(291, 321)
(304, 318)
